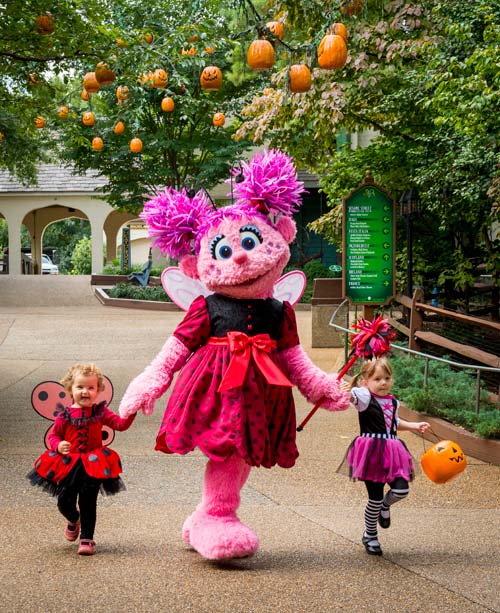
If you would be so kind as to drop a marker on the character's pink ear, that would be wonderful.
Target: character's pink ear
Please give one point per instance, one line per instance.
(287, 228)
(188, 265)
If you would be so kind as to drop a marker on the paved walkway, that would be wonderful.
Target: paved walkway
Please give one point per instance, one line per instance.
(441, 554)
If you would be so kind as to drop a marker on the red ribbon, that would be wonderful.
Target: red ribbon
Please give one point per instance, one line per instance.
(242, 348)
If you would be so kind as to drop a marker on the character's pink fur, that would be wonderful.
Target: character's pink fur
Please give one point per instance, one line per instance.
(312, 382)
(214, 529)
(155, 380)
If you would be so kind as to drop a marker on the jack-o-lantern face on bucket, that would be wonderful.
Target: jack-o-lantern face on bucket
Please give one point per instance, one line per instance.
(443, 461)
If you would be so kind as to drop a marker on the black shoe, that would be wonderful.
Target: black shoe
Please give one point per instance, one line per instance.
(384, 522)
(373, 549)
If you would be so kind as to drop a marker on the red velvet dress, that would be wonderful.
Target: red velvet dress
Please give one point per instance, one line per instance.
(82, 429)
(252, 416)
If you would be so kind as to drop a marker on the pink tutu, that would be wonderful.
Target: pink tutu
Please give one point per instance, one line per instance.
(379, 458)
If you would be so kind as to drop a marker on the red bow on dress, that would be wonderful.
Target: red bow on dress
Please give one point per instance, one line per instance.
(242, 348)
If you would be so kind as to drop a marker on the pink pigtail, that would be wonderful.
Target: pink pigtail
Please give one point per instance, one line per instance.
(270, 183)
(174, 219)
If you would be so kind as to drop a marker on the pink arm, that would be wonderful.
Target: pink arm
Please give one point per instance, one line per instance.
(154, 381)
(56, 434)
(312, 382)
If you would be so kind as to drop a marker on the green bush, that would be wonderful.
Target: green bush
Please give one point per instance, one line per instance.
(81, 259)
(113, 268)
(449, 394)
(136, 292)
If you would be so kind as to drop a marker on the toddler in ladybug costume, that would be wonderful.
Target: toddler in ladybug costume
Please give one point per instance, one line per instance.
(77, 465)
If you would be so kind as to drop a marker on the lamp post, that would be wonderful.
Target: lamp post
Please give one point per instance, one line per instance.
(409, 207)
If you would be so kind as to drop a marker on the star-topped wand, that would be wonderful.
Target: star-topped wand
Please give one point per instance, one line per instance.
(372, 341)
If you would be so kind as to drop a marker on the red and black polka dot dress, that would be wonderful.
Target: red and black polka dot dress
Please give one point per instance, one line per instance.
(255, 419)
(82, 428)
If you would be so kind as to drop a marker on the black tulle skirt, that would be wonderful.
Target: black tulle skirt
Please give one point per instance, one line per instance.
(77, 479)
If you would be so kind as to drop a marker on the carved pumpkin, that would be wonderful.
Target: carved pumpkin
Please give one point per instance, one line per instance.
(147, 79)
(90, 83)
(97, 143)
(332, 52)
(136, 145)
(103, 74)
(85, 95)
(260, 55)
(40, 122)
(121, 93)
(45, 24)
(443, 461)
(63, 112)
(119, 127)
(88, 118)
(276, 27)
(219, 120)
(300, 78)
(160, 78)
(339, 29)
(167, 104)
(211, 78)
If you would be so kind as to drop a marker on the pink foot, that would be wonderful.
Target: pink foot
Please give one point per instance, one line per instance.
(219, 538)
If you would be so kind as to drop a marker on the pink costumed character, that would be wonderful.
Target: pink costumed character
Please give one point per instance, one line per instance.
(237, 348)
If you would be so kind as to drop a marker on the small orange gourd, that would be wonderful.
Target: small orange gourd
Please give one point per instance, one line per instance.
(300, 78)
(136, 145)
(260, 55)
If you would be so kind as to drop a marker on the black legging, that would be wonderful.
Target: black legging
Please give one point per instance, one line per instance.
(78, 485)
(376, 490)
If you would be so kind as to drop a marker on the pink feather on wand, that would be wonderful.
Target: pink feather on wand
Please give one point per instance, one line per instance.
(372, 341)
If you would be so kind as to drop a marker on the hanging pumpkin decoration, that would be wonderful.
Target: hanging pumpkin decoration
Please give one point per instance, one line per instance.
(443, 461)
(300, 78)
(45, 24)
(122, 93)
(85, 95)
(276, 27)
(260, 55)
(119, 127)
(103, 74)
(121, 43)
(167, 104)
(209, 50)
(351, 7)
(1, 137)
(90, 83)
(190, 51)
(339, 29)
(88, 118)
(160, 78)
(147, 79)
(332, 52)
(97, 143)
(40, 122)
(211, 78)
(63, 112)
(136, 145)
(219, 120)
(148, 38)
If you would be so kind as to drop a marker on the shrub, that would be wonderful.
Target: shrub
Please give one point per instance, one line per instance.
(135, 292)
(82, 257)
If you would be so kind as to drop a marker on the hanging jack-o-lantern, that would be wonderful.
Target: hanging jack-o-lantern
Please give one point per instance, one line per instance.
(45, 24)
(300, 78)
(135, 145)
(90, 83)
(63, 112)
(103, 74)
(351, 7)
(443, 461)
(147, 79)
(40, 122)
(88, 118)
(167, 104)
(160, 78)
(85, 95)
(97, 143)
(276, 27)
(121, 93)
(260, 55)
(332, 52)
(211, 78)
(119, 127)
(219, 120)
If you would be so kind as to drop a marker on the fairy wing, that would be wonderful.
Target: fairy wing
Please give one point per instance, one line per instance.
(290, 287)
(49, 398)
(181, 289)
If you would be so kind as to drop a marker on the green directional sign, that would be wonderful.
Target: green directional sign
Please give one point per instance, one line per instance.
(369, 250)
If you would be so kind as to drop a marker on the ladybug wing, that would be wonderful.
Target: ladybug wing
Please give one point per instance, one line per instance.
(181, 289)
(290, 287)
(49, 398)
(107, 394)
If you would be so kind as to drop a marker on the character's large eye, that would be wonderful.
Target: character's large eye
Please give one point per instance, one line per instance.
(220, 248)
(250, 237)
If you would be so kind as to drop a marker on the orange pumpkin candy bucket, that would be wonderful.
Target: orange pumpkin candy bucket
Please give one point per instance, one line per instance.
(443, 461)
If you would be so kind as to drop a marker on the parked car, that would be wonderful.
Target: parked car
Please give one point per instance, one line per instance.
(48, 266)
